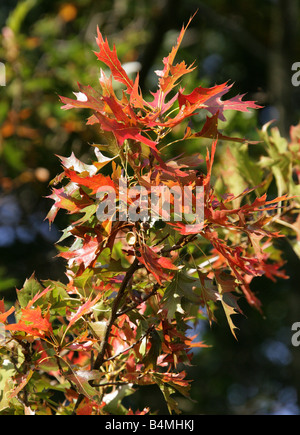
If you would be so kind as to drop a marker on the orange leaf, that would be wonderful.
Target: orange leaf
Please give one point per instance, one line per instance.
(84, 309)
(84, 256)
(33, 323)
(94, 182)
(110, 58)
(155, 264)
(4, 315)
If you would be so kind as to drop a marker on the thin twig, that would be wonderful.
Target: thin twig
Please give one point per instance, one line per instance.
(134, 306)
(183, 241)
(130, 347)
(111, 384)
(100, 358)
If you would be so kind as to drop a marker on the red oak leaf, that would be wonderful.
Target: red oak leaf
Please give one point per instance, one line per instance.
(122, 131)
(169, 76)
(87, 98)
(210, 99)
(82, 310)
(110, 58)
(64, 199)
(94, 182)
(210, 130)
(155, 264)
(85, 256)
(33, 322)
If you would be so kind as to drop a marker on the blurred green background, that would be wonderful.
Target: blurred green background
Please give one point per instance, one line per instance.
(46, 47)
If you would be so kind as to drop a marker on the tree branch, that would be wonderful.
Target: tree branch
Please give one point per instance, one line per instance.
(100, 358)
(144, 299)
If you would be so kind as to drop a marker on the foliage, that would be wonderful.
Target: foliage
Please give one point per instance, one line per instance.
(46, 47)
(137, 288)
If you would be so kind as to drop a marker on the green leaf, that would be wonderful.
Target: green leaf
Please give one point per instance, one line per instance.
(182, 286)
(226, 286)
(30, 289)
(171, 402)
(110, 145)
(81, 379)
(150, 359)
(100, 310)
(99, 329)
(58, 293)
(167, 391)
(113, 400)
(88, 211)
(81, 282)
(248, 168)
(7, 371)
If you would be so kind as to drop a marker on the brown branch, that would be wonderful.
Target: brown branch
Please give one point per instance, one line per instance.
(184, 240)
(100, 358)
(144, 299)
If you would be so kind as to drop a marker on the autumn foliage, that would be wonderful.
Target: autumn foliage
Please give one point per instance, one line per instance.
(136, 289)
